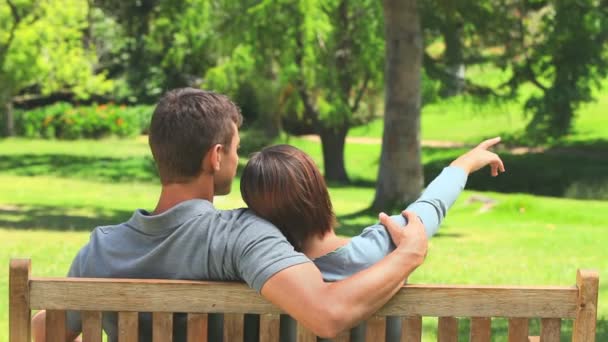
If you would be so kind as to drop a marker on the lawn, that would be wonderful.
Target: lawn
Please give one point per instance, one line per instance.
(52, 193)
(463, 119)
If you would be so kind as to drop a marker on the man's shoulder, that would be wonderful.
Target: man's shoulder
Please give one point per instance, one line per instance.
(245, 219)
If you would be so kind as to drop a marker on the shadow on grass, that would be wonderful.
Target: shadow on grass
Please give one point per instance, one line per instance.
(141, 169)
(568, 171)
(58, 218)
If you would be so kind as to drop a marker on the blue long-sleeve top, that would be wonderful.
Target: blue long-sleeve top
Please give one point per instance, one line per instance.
(374, 242)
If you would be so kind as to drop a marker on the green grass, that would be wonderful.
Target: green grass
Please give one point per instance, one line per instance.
(53, 193)
(462, 119)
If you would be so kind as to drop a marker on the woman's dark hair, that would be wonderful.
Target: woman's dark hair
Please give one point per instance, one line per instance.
(283, 185)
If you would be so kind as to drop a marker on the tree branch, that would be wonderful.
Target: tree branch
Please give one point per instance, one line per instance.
(14, 11)
(528, 66)
(309, 109)
(435, 71)
(11, 35)
(360, 94)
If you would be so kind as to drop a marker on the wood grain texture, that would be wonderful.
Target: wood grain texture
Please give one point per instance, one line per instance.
(269, 327)
(518, 330)
(202, 297)
(234, 327)
(447, 329)
(305, 335)
(584, 327)
(550, 329)
(343, 336)
(411, 329)
(162, 327)
(55, 325)
(128, 325)
(481, 329)
(91, 326)
(376, 329)
(198, 325)
(19, 306)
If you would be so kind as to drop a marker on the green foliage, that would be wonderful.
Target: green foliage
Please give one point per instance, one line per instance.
(567, 59)
(41, 44)
(558, 46)
(64, 121)
(169, 43)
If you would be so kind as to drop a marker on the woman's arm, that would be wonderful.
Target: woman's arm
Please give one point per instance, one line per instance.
(375, 241)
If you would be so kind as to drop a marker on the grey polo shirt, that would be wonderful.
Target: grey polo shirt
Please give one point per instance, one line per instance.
(192, 241)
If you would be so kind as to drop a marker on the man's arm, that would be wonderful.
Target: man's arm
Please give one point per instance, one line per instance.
(329, 308)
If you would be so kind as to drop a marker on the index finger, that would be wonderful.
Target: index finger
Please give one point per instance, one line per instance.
(486, 144)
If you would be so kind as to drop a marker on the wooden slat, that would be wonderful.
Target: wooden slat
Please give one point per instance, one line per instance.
(518, 330)
(200, 297)
(482, 301)
(19, 308)
(128, 325)
(234, 327)
(55, 325)
(481, 329)
(447, 330)
(586, 314)
(411, 329)
(550, 329)
(162, 327)
(533, 339)
(305, 335)
(343, 336)
(91, 326)
(269, 327)
(376, 329)
(198, 324)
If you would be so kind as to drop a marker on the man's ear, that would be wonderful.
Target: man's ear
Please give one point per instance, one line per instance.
(213, 159)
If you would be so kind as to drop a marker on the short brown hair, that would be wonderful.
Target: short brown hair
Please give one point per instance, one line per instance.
(186, 123)
(283, 185)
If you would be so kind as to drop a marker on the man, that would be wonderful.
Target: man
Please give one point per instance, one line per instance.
(194, 140)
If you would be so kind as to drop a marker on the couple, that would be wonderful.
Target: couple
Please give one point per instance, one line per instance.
(194, 140)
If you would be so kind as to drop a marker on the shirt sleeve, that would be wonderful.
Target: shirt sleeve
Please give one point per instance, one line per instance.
(262, 251)
(363, 251)
(437, 198)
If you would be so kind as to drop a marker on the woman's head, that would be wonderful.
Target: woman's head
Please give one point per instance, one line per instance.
(284, 186)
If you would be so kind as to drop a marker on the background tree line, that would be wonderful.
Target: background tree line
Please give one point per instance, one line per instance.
(311, 66)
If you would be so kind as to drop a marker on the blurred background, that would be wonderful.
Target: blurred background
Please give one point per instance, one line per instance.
(382, 94)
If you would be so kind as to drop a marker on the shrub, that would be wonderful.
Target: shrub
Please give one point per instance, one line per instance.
(64, 121)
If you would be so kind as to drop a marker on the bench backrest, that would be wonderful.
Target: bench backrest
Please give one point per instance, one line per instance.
(128, 297)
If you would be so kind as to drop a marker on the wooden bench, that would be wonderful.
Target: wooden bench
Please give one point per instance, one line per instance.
(198, 298)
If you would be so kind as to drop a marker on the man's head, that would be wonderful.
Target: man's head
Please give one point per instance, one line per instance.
(195, 132)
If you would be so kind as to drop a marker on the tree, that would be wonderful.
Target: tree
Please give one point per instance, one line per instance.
(400, 177)
(326, 57)
(171, 43)
(564, 56)
(41, 47)
(558, 46)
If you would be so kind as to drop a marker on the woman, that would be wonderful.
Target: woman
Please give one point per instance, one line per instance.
(283, 185)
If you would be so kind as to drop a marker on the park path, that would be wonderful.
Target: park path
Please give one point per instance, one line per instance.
(516, 150)
(427, 143)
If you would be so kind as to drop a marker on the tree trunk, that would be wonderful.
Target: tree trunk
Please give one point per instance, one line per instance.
(6, 109)
(454, 59)
(400, 177)
(332, 144)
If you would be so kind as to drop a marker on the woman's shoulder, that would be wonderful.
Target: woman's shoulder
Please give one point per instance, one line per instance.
(363, 250)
